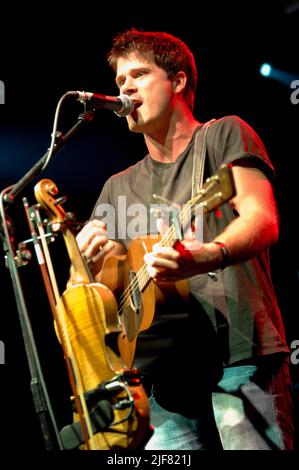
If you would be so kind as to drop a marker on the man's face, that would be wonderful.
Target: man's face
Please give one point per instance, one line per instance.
(151, 90)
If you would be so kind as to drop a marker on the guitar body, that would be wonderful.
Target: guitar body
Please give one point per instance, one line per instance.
(137, 310)
(91, 319)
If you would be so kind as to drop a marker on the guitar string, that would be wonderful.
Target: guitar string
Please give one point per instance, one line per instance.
(142, 274)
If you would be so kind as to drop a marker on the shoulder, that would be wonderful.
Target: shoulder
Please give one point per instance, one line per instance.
(233, 140)
(232, 130)
(233, 123)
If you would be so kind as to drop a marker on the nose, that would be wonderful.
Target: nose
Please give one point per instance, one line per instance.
(128, 86)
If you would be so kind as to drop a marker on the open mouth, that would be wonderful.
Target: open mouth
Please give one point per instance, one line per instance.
(134, 113)
(137, 105)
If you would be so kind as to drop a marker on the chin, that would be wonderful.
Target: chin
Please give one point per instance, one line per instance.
(135, 126)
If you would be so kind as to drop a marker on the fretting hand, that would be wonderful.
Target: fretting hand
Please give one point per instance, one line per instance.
(94, 244)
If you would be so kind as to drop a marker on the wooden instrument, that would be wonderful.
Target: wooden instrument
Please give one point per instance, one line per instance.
(112, 400)
(127, 275)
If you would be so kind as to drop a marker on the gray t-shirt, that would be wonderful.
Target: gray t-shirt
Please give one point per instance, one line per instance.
(233, 318)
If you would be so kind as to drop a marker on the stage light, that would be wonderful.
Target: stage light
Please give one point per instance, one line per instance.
(286, 78)
(265, 70)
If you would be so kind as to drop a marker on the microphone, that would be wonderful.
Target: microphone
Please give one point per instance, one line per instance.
(122, 105)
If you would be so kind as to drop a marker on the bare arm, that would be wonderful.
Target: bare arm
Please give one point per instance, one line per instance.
(254, 229)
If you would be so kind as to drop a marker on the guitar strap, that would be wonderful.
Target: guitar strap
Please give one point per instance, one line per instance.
(199, 157)
(220, 305)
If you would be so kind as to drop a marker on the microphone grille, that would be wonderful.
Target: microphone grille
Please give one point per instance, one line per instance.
(128, 106)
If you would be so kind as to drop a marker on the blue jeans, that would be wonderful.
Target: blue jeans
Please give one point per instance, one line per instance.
(250, 409)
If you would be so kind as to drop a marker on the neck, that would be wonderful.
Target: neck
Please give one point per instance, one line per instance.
(166, 144)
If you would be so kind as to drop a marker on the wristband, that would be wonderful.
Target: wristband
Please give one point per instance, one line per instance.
(225, 257)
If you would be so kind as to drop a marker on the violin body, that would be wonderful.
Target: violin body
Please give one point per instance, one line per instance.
(91, 317)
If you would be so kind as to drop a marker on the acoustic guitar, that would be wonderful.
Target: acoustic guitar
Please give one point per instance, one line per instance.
(127, 275)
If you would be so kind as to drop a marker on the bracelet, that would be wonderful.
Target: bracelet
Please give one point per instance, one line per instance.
(225, 257)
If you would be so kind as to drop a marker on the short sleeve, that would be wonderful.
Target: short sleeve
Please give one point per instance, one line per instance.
(234, 141)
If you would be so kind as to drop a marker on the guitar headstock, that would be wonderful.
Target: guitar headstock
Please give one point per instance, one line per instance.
(45, 192)
(216, 190)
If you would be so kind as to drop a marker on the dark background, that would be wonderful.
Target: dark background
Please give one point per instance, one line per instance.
(46, 52)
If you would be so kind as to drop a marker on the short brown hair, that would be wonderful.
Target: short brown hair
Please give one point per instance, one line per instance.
(167, 51)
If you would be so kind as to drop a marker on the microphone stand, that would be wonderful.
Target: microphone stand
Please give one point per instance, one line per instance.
(38, 387)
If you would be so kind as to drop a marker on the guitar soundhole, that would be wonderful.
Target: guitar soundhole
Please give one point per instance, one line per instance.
(132, 312)
(135, 294)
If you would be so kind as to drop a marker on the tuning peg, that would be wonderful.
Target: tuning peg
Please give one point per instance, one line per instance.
(72, 221)
(60, 200)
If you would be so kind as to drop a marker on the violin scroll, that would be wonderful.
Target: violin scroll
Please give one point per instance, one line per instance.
(45, 192)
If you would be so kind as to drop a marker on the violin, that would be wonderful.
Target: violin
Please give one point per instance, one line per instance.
(111, 409)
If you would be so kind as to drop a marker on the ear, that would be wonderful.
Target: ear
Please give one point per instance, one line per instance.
(179, 82)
